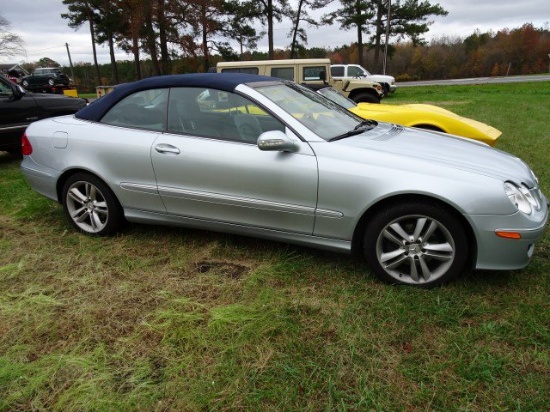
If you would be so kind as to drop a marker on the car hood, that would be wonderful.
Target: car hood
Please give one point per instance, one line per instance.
(415, 114)
(366, 109)
(381, 77)
(442, 150)
(52, 96)
(56, 100)
(401, 108)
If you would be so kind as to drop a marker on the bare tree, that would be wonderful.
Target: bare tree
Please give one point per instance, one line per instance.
(80, 12)
(298, 15)
(354, 14)
(10, 44)
(267, 12)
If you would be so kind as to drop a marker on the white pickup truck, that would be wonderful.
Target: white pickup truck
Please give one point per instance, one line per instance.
(350, 71)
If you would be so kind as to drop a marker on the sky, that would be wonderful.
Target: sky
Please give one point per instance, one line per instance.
(45, 33)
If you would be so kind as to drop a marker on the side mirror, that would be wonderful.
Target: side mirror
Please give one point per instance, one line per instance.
(276, 141)
(323, 75)
(17, 91)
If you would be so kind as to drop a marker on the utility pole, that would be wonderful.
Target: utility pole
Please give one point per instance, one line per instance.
(388, 37)
(70, 61)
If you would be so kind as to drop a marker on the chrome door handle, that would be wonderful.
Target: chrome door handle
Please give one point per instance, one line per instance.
(167, 148)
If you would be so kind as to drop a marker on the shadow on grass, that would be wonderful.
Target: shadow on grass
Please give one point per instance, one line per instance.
(9, 158)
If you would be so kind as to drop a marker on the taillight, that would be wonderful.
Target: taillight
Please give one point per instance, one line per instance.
(26, 147)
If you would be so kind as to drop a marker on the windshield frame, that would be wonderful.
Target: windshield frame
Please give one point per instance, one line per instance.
(319, 114)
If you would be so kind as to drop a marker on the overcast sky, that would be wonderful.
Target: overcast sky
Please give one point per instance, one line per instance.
(39, 24)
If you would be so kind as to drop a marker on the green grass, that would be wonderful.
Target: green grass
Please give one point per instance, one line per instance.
(88, 95)
(166, 319)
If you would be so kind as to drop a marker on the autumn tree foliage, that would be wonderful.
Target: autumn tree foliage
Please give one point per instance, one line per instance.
(522, 50)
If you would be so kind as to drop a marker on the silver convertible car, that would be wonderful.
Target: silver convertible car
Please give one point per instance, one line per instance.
(268, 158)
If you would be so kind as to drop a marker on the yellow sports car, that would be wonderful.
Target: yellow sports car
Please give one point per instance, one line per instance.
(422, 116)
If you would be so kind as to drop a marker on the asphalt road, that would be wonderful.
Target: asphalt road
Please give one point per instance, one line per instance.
(478, 80)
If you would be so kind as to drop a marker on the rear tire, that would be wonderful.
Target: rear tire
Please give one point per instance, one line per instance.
(419, 244)
(91, 205)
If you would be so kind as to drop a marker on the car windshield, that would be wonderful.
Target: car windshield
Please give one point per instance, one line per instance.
(322, 116)
(337, 98)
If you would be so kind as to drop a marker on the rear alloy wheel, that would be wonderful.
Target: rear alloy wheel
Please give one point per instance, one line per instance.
(25, 83)
(91, 206)
(416, 244)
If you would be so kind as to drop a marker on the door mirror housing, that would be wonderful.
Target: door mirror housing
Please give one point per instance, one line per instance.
(17, 92)
(276, 141)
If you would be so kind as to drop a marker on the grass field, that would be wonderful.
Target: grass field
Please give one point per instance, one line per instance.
(166, 319)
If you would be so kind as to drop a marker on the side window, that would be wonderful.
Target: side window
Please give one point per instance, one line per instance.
(5, 89)
(143, 110)
(217, 114)
(248, 70)
(337, 71)
(312, 73)
(286, 73)
(354, 71)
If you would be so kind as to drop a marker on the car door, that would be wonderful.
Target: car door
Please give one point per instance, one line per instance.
(42, 78)
(209, 169)
(16, 113)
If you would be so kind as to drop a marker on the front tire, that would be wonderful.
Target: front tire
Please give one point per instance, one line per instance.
(51, 82)
(91, 206)
(366, 97)
(418, 244)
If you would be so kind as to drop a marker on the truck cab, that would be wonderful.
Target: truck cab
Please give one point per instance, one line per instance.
(355, 71)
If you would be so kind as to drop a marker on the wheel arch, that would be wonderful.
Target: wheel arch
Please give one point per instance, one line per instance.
(358, 234)
(385, 88)
(357, 92)
(71, 172)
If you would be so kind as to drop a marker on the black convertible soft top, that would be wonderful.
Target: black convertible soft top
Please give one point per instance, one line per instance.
(220, 81)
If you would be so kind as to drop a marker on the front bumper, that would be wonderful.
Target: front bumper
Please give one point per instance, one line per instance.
(497, 253)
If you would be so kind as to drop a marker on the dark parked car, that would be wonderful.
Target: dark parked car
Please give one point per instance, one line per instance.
(18, 108)
(45, 77)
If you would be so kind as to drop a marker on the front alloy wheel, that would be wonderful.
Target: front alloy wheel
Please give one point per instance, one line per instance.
(91, 206)
(418, 244)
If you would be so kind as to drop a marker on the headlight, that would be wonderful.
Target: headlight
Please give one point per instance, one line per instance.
(518, 198)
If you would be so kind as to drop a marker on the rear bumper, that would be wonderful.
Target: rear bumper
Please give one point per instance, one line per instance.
(41, 179)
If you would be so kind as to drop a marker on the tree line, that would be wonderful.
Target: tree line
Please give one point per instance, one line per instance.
(166, 31)
(522, 50)
(176, 36)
